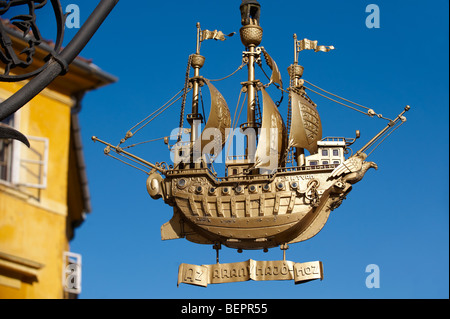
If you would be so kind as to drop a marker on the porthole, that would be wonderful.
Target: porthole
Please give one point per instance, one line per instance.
(181, 183)
(294, 185)
(280, 186)
(252, 188)
(199, 189)
(226, 190)
(266, 188)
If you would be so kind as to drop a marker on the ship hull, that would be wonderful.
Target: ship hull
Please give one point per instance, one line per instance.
(254, 212)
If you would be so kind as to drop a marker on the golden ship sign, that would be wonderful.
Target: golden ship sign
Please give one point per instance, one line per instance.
(279, 190)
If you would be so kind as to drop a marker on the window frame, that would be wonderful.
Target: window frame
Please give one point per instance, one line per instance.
(43, 163)
(17, 160)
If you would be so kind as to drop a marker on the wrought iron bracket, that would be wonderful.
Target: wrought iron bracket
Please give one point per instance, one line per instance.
(57, 64)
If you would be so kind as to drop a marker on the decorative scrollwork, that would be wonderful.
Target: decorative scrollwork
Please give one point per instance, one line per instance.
(162, 165)
(27, 23)
(57, 61)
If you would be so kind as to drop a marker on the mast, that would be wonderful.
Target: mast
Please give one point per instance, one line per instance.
(296, 71)
(251, 36)
(195, 118)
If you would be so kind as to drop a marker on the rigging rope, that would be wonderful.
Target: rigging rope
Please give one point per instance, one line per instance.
(234, 123)
(392, 131)
(365, 107)
(160, 110)
(239, 116)
(185, 91)
(235, 111)
(370, 112)
(149, 141)
(239, 68)
(353, 108)
(278, 103)
(155, 111)
(163, 108)
(260, 66)
(124, 162)
(155, 116)
(203, 107)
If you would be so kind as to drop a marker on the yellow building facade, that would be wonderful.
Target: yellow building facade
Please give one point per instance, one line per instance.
(44, 193)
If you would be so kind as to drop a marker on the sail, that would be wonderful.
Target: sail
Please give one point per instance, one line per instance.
(272, 140)
(214, 136)
(306, 128)
(276, 75)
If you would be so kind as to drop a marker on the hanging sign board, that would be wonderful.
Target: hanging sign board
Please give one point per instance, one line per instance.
(250, 270)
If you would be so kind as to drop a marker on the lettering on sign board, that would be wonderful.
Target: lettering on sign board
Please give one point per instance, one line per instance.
(250, 270)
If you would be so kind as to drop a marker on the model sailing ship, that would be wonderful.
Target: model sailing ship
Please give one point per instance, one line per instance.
(273, 194)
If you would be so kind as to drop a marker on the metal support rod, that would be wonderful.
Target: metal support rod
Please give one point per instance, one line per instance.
(251, 102)
(119, 150)
(196, 88)
(295, 49)
(284, 247)
(390, 125)
(195, 98)
(197, 51)
(251, 87)
(217, 247)
(59, 63)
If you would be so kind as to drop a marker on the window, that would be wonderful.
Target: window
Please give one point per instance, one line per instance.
(33, 163)
(20, 165)
(335, 152)
(324, 152)
(6, 153)
(313, 163)
(325, 162)
(335, 162)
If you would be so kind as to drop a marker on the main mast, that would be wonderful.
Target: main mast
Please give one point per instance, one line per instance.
(195, 118)
(251, 36)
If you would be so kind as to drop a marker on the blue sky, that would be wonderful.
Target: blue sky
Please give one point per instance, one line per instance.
(396, 218)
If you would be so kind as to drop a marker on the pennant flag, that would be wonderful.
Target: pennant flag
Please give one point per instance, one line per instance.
(306, 44)
(324, 48)
(216, 35)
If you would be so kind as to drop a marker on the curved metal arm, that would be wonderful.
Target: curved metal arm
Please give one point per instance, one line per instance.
(59, 63)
